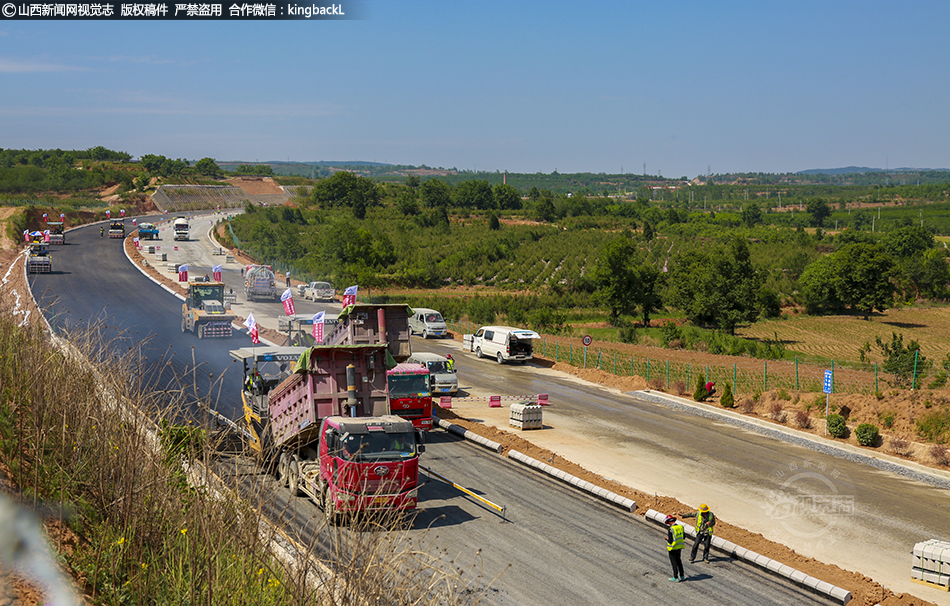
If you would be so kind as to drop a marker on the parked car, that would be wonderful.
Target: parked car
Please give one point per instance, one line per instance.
(503, 343)
(427, 322)
(319, 291)
(442, 377)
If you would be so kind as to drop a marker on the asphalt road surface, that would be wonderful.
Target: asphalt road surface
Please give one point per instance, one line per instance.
(555, 546)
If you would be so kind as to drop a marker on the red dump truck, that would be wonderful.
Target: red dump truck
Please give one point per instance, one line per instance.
(409, 395)
(320, 415)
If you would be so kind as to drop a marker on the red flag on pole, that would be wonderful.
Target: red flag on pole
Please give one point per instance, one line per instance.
(46, 236)
(349, 296)
(122, 211)
(318, 327)
(216, 273)
(62, 216)
(183, 273)
(108, 214)
(287, 298)
(252, 328)
(45, 218)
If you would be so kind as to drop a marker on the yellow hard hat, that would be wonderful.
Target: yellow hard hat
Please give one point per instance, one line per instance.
(704, 508)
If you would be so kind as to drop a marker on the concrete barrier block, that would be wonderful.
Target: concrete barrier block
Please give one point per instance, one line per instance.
(761, 560)
(841, 595)
(741, 552)
(786, 571)
(811, 582)
(824, 587)
(798, 576)
(774, 565)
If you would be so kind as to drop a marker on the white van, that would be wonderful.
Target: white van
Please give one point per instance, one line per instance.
(504, 343)
(427, 322)
(442, 377)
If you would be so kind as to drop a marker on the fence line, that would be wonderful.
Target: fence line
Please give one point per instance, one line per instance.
(748, 376)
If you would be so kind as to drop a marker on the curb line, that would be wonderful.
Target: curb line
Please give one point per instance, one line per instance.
(468, 435)
(612, 497)
(806, 440)
(798, 577)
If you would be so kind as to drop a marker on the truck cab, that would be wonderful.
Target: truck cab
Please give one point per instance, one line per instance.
(409, 395)
(39, 260)
(366, 464)
(181, 228)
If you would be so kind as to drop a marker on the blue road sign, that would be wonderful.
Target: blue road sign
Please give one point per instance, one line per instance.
(828, 381)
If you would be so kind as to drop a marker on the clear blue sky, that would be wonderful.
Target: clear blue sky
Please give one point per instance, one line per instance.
(520, 86)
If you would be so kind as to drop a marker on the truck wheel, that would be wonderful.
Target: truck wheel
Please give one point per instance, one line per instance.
(425, 334)
(329, 509)
(183, 323)
(283, 469)
(478, 352)
(200, 331)
(500, 358)
(293, 477)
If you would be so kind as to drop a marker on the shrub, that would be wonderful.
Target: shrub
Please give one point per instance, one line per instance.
(781, 394)
(777, 410)
(879, 395)
(802, 419)
(933, 426)
(867, 434)
(940, 455)
(900, 446)
(629, 334)
(837, 426)
(747, 405)
(657, 384)
(680, 388)
(727, 399)
(670, 332)
(887, 418)
(700, 394)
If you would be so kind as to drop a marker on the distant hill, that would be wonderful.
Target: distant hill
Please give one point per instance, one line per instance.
(853, 170)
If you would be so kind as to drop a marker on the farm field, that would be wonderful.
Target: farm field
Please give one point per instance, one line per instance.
(841, 337)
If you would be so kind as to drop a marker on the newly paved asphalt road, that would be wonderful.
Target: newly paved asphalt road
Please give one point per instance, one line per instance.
(555, 547)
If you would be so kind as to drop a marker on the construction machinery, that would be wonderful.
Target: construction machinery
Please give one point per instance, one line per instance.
(260, 283)
(204, 312)
(322, 421)
(117, 228)
(39, 260)
(57, 233)
(299, 328)
(147, 231)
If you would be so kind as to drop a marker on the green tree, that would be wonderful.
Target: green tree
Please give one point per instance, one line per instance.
(717, 288)
(906, 242)
(406, 203)
(864, 278)
(475, 194)
(506, 197)
(435, 193)
(751, 214)
(545, 210)
(616, 278)
(412, 181)
(819, 210)
(493, 223)
(208, 167)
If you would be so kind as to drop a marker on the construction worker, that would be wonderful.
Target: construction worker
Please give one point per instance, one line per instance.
(705, 524)
(101, 231)
(675, 541)
(449, 363)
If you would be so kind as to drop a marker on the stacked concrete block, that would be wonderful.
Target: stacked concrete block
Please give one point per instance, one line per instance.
(525, 415)
(931, 562)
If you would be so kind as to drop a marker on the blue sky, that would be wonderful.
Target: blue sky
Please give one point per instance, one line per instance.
(683, 87)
